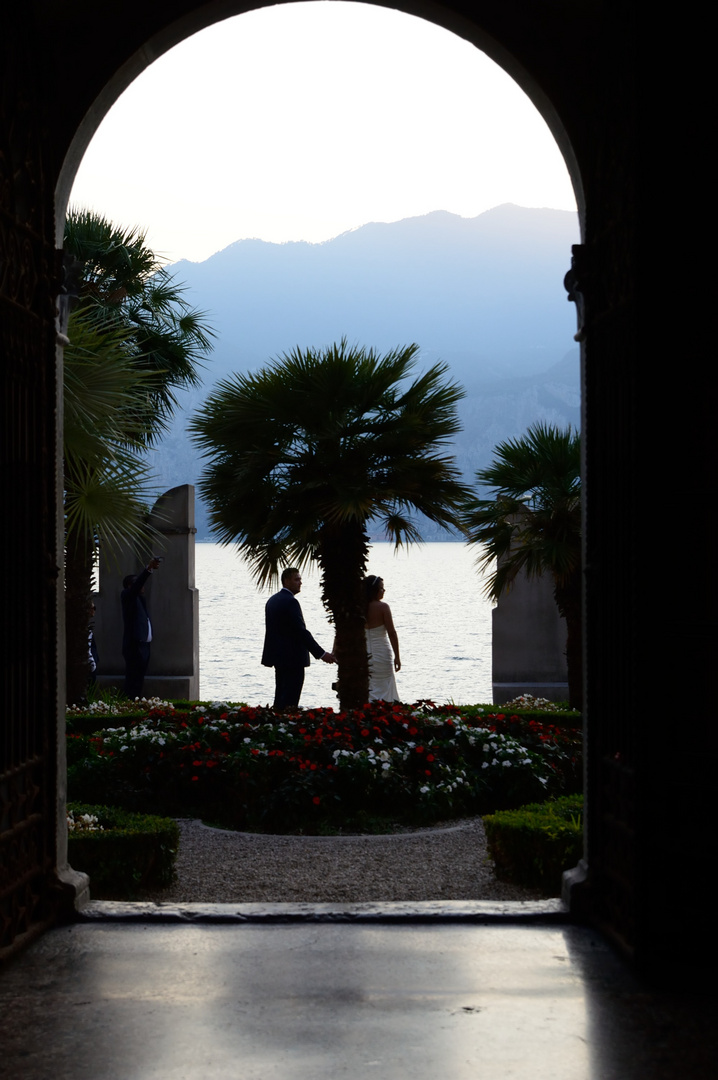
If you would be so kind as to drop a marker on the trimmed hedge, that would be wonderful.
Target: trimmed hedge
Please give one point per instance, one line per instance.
(132, 854)
(532, 845)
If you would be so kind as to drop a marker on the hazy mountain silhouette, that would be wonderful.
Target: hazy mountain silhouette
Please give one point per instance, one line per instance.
(483, 294)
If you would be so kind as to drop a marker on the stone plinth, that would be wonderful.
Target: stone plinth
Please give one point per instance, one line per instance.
(529, 643)
(172, 601)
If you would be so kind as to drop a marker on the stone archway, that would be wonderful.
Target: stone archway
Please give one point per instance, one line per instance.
(199, 16)
(62, 67)
(153, 49)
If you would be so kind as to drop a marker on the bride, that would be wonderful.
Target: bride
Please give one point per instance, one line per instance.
(379, 633)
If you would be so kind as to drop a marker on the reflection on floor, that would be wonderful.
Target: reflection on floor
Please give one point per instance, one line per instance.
(327, 1000)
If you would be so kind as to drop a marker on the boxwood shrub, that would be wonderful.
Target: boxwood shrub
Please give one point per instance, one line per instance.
(532, 845)
(130, 854)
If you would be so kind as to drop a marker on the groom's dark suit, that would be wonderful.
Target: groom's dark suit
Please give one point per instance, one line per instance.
(287, 645)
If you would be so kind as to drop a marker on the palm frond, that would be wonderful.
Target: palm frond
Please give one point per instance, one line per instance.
(327, 437)
(532, 522)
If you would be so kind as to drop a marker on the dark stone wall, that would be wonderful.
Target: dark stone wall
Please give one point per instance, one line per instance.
(28, 286)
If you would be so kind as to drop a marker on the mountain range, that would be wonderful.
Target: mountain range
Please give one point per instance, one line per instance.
(484, 295)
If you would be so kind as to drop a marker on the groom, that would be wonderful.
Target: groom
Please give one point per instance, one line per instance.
(287, 642)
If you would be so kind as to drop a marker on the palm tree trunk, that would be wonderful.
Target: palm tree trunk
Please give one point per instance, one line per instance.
(78, 588)
(342, 555)
(568, 600)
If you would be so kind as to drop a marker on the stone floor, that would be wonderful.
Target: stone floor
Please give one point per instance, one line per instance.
(431, 992)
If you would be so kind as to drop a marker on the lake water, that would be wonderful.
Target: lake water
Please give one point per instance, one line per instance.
(435, 594)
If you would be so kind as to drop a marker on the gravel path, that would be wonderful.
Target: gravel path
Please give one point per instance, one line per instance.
(448, 862)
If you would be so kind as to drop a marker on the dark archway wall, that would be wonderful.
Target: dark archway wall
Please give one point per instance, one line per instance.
(63, 64)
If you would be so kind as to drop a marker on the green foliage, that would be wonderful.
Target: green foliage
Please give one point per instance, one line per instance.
(303, 454)
(560, 716)
(534, 844)
(125, 288)
(326, 437)
(129, 854)
(251, 768)
(133, 341)
(532, 522)
(531, 525)
(107, 476)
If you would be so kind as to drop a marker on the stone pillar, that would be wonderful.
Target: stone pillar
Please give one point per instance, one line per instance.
(172, 601)
(528, 653)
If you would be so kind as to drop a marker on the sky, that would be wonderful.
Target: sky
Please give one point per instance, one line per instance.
(302, 121)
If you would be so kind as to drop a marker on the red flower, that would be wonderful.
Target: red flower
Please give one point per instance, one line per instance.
(316, 800)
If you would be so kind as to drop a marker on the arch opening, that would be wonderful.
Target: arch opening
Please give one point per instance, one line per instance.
(271, 351)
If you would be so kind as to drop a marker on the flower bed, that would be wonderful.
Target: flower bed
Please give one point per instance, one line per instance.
(250, 768)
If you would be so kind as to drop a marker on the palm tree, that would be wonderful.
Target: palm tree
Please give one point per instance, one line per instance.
(305, 452)
(532, 525)
(133, 341)
(122, 283)
(106, 475)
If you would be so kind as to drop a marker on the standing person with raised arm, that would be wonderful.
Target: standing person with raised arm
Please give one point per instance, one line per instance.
(137, 629)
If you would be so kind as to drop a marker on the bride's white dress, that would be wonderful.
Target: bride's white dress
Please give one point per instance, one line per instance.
(382, 684)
